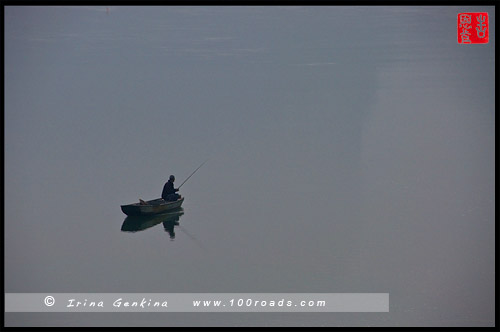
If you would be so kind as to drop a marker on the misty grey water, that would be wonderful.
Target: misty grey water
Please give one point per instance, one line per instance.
(350, 150)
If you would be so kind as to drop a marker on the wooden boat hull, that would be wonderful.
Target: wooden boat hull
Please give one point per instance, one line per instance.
(155, 206)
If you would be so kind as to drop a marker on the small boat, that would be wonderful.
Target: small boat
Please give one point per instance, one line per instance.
(155, 206)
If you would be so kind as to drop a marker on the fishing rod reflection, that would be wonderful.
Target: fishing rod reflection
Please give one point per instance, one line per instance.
(140, 223)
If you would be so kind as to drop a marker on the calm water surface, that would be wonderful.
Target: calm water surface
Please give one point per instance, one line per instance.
(351, 149)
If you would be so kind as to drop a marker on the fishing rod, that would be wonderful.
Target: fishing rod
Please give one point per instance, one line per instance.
(193, 173)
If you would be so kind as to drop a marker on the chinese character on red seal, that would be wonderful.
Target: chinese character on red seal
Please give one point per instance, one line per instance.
(472, 28)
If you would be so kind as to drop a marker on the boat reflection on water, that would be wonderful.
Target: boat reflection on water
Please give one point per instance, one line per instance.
(139, 223)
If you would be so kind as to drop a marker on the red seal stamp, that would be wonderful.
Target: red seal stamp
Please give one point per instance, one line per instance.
(473, 28)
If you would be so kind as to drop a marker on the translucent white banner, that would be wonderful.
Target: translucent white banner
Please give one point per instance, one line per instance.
(196, 302)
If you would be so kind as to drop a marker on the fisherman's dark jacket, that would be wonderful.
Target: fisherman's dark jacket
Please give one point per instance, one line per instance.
(168, 189)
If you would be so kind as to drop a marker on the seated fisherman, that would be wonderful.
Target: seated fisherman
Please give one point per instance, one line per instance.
(169, 192)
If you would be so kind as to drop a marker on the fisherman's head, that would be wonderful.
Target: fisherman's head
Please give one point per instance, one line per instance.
(171, 178)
